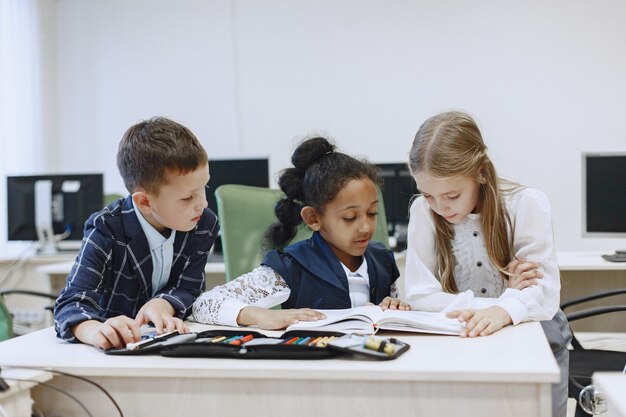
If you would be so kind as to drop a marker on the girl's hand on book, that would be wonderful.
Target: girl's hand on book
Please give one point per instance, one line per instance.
(481, 322)
(276, 319)
(394, 304)
(523, 274)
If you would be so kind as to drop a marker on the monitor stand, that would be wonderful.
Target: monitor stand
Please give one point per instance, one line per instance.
(43, 217)
(618, 256)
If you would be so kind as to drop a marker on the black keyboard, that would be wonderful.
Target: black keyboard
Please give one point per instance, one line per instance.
(616, 257)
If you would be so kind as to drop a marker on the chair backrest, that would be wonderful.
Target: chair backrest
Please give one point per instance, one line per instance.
(6, 321)
(245, 213)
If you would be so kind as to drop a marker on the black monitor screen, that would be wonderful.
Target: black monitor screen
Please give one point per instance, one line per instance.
(604, 194)
(66, 201)
(398, 190)
(252, 172)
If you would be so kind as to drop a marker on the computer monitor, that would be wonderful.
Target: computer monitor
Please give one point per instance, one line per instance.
(604, 194)
(604, 198)
(398, 190)
(52, 208)
(246, 171)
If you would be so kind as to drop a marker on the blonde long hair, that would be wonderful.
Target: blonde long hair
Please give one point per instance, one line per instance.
(449, 145)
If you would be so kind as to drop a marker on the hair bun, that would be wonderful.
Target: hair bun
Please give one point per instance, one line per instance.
(309, 152)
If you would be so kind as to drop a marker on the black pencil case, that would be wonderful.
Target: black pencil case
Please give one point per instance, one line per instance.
(218, 344)
(260, 347)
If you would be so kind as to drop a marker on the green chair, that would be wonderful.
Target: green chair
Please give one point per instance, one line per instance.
(246, 212)
(6, 319)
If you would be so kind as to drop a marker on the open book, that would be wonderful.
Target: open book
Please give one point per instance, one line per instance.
(367, 319)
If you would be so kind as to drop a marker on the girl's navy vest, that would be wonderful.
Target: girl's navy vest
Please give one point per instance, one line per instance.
(317, 280)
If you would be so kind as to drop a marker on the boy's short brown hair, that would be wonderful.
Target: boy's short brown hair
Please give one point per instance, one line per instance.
(151, 147)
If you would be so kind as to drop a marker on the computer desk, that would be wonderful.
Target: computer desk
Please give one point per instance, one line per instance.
(508, 373)
(215, 274)
(585, 273)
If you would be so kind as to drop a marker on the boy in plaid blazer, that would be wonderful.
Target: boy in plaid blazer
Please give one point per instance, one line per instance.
(142, 258)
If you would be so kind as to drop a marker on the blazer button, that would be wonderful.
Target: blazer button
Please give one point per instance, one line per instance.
(479, 264)
(483, 290)
(475, 234)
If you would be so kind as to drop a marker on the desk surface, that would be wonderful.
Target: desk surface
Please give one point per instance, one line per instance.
(587, 261)
(431, 357)
(64, 268)
(568, 261)
(509, 371)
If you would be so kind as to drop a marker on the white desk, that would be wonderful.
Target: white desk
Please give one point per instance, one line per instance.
(510, 372)
(614, 387)
(587, 261)
(585, 273)
(215, 274)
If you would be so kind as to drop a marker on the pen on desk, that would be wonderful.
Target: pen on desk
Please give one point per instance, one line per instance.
(230, 339)
(314, 341)
(292, 340)
(379, 345)
(243, 340)
(217, 339)
(303, 341)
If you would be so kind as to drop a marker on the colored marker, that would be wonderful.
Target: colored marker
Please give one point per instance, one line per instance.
(217, 339)
(314, 341)
(230, 339)
(323, 342)
(303, 341)
(243, 340)
(379, 345)
(292, 340)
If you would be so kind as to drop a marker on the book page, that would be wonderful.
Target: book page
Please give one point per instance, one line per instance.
(350, 320)
(419, 321)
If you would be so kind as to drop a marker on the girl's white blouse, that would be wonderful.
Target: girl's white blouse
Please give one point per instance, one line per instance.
(480, 285)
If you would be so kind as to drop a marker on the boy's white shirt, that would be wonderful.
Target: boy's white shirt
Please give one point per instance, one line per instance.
(529, 210)
(161, 249)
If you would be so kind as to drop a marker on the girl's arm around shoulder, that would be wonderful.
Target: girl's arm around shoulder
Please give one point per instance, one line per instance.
(423, 290)
(533, 240)
(263, 287)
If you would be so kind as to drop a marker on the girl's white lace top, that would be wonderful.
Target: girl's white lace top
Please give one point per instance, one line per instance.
(480, 285)
(264, 287)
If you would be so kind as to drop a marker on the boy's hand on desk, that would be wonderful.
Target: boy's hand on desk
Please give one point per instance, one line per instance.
(276, 319)
(394, 304)
(161, 313)
(481, 322)
(523, 274)
(116, 332)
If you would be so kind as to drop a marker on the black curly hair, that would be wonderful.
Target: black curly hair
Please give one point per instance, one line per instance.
(317, 175)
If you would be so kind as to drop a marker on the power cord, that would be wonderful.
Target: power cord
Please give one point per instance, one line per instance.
(52, 387)
(17, 264)
(67, 374)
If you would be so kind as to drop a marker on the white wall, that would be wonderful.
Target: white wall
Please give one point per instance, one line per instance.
(545, 80)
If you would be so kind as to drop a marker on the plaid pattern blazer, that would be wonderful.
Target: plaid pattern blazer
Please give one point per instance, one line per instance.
(112, 274)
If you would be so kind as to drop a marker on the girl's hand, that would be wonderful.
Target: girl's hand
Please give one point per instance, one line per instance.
(394, 304)
(523, 274)
(481, 322)
(276, 319)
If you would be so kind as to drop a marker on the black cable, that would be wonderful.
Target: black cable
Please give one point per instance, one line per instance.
(81, 378)
(23, 257)
(62, 391)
